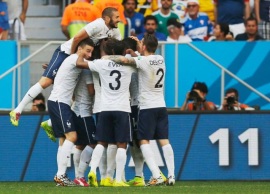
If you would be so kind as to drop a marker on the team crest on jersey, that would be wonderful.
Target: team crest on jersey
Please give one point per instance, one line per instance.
(202, 22)
(137, 22)
(54, 72)
(68, 124)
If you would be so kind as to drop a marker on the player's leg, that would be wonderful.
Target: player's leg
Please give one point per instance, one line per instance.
(104, 127)
(111, 165)
(103, 168)
(135, 151)
(122, 135)
(63, 127)
(146, 131)
(85, 132)
(45, 81)
(162, 135)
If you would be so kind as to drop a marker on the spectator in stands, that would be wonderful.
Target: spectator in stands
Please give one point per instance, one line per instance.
(77, 15)
(262, 12)
(17, 10)
(197, 26)
(163, 14)
(197, 98)
(231, 101)
(4, 25)
(134, 19)
(207, 6)
(234, 13)
(146, 7)
(251, 33)
(38, 103)
(150, 26)
(221, 33)
(176, 33)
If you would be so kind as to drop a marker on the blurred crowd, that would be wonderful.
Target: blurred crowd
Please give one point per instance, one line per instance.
(169, 20)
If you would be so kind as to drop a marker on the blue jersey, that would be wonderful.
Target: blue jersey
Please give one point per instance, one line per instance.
(160, 36)
(198, 28)
(136, 23)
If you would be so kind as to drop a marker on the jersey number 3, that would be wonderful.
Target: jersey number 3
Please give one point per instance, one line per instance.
(117, 80)
(159, 71)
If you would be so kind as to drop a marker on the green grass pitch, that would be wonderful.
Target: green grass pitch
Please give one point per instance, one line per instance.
(209, 187)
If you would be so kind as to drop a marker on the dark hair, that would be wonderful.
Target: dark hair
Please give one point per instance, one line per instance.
(200, 86)
(130, 43)
(39, 97)
(251, 18)
(41, 106)
(108, 11)
(232, 90)
(150, 17)
(136, 3)
(86, 41)
(113, 47)
(224, 28)
(150, 42)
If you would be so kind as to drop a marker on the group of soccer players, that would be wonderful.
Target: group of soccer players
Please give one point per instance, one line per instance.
(106, 86)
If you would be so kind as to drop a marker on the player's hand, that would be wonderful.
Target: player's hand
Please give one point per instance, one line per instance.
(44, 66)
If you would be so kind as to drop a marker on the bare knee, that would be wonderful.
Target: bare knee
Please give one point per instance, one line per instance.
(45, 82)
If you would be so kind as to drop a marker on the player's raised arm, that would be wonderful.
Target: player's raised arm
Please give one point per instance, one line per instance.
(121, 60)
(78, 38)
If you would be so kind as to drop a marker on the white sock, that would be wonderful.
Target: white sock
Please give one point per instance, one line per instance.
(111, 154)
(169, 158)
(138, 159)
(121, 158)
(103, 165)
(76, 160)
(49, 122)
(29, 96)
(150, 160)
(96, 156)
(58, 154)
(84, 160)
(64, 156)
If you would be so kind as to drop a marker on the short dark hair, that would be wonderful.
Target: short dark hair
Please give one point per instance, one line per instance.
(251, 18)
(150, 42)
(224, 28)
(108, 11)
(201, 86)
(232, 90)
(39, 97)
(150, 17)
(86, 41)
(130, 43)
(136, 3)
(113, 47)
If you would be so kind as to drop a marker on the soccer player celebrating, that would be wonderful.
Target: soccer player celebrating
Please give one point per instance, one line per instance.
(60, 111)
(153, 117)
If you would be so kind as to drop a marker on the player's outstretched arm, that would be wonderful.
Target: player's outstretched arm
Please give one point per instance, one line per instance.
(121, 60)
(78, 38)
(81, 63)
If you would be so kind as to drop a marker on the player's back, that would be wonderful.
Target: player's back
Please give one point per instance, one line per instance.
(65, 81)
(115, 80)
(151, 70)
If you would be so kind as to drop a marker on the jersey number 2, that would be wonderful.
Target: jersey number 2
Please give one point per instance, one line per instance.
(159, 71)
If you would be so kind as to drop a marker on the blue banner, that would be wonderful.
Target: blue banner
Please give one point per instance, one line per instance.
(207, 146)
